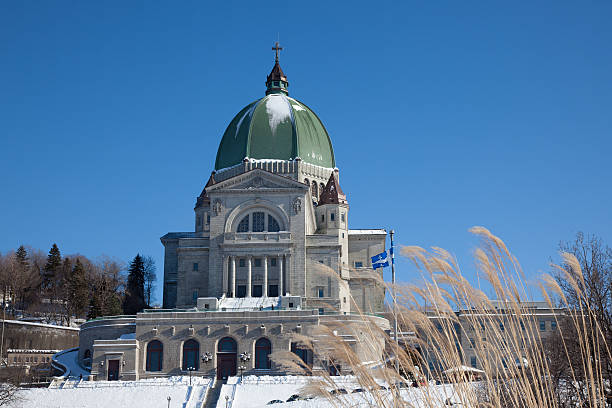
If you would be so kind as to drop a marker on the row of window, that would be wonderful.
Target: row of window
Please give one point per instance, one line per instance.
(332, 217)
(28, 359)
(315, 190)
(242, 263)
(191, 353)
(542, 323)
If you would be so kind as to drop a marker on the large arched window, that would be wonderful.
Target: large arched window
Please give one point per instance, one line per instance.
(258, 221)
(191, 352)
(155, 355)
(227, 345)
(263, 348)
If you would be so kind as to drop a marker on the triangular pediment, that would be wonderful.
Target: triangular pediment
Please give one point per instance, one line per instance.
(256, 180)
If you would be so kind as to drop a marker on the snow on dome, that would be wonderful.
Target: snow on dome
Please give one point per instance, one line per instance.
(278, 111)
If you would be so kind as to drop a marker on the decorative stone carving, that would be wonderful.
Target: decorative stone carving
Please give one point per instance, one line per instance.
(297, 205)
(217, 207)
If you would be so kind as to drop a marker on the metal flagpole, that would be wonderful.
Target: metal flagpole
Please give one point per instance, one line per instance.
(394, 303)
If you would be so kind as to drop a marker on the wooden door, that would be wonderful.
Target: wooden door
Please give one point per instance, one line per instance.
(226, 366)
(113, 370)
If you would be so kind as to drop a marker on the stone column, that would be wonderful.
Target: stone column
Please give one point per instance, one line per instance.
(279, 262)
(248, 289)
(225, 274)
(265, 282)
(233, 276)
(288, 273)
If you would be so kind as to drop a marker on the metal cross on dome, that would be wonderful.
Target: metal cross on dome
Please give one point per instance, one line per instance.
(276, 49)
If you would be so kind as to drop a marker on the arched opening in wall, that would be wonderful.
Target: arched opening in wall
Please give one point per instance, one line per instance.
(258, 221)
(314, 190)
(302, 352)
(191, 352)
(321, 188)
(155, 355)
(227, 350)
(263, 349)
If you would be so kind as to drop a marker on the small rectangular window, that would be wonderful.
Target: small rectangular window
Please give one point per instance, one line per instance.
(290, 304)
(473, 361)
(207, 218)
(332, 216)
(542, 325)
(322, 217)
(320, 292)
(342, 217)
(195, 266)
(358, 264)
(258, 262)
(553, 324)
(198, 220)
(273, 262)
(195, 295)
(501, 326)
(241, 263)
(321, 311)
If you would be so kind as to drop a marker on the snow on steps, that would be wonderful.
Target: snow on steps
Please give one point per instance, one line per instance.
(146, 393)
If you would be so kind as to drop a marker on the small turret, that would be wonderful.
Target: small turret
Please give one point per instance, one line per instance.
(202, 208)
(277, 81)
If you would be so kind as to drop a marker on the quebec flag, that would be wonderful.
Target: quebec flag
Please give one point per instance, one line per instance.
(380, 260)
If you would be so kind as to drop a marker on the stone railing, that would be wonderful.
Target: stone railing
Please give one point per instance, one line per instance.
(257, 236)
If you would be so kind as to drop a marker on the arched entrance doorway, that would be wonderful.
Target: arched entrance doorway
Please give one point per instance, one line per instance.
(227, 351)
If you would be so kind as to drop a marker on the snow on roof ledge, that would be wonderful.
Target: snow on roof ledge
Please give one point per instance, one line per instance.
(367, 232)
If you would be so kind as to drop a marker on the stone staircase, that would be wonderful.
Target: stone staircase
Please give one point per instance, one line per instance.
(213, 395)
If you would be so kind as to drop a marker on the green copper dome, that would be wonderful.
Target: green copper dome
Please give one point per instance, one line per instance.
(276, 127)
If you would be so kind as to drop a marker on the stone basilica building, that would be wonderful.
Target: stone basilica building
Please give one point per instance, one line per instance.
(270, 258)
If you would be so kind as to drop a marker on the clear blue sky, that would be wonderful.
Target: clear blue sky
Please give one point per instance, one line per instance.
(443, 115)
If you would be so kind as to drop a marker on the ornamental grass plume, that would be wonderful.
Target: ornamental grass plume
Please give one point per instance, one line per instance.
(446, 321)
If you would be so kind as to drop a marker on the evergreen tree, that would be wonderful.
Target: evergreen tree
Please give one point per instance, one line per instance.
(134, 300)
(77, 290)
(52, 268)
(22, 258)
(95, 307)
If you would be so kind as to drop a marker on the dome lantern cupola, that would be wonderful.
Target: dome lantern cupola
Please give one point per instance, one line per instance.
(277, 81)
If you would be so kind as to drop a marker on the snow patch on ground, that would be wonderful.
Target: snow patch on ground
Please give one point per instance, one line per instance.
(68, 359)
(146, 393)
(256, 392)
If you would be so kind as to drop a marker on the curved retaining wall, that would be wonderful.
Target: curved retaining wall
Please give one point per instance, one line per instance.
(104, 328)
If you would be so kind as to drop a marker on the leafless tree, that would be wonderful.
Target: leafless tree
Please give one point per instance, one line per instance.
(150, 278)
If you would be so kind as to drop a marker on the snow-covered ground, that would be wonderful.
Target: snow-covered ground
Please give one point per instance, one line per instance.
(147, 393)
(68, 360)
(256, 392)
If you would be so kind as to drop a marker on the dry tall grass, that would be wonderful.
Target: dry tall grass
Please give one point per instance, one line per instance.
(519, 371)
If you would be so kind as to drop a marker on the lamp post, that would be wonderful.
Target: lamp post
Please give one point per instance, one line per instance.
(169, 401)
(245, 356)
(191, 370)
(206, 357)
